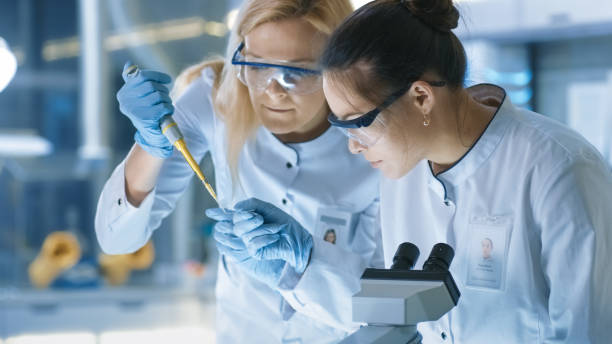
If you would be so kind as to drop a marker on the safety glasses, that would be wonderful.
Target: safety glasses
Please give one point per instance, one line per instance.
(257, 74)
(368, 128)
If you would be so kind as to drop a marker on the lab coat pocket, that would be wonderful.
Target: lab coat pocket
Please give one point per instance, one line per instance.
(487, 254)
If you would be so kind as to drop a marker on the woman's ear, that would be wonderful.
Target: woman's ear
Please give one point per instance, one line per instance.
(422, 96)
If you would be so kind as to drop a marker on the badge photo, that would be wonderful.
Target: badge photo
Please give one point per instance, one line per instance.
(334, 225)
(488, 251)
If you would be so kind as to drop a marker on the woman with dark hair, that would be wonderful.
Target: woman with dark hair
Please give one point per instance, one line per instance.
(461, 164)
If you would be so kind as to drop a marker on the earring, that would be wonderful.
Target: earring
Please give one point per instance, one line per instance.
(426, 121)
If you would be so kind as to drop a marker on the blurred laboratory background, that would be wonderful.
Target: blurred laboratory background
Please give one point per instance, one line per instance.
(61, 133)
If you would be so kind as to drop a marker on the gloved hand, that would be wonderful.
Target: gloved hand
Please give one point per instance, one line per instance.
(270, 233)
(230, 245)
(145, 100)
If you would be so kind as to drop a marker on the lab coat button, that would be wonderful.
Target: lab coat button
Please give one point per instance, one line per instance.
(289, 165)
(447, 203)
(119, 201)
(284, 201)
(443, 335)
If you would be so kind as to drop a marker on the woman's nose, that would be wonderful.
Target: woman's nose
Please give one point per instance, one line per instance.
(355, 146)
(275, 90)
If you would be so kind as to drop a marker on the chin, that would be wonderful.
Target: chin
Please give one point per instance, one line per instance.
(279, 125)
(279, 128)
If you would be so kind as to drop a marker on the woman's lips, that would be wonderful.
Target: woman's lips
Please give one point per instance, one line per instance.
(278, 110)
(376, 164)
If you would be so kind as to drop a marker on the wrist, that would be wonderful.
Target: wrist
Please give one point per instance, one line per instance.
(289, 278)
(303, 260)
(161, 152)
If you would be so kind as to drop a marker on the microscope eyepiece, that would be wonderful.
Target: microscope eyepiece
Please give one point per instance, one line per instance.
(406, 256)
(440, 258)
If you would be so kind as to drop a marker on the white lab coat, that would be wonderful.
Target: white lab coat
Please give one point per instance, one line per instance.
(297, 178)
(543, 196)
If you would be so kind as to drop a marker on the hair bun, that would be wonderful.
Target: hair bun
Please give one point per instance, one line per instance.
(441, 15)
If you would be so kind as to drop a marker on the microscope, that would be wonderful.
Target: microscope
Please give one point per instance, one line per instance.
(392, 302)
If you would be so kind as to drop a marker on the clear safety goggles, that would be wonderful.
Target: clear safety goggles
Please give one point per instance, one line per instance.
(368, 128)
(366, 136)
(257, 74)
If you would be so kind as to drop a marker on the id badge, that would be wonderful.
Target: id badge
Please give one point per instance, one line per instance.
(334, 225)
(488, 251)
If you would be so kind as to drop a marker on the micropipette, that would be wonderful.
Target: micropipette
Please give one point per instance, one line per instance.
(173, 134)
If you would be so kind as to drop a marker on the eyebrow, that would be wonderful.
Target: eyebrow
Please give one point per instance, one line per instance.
(357, 111)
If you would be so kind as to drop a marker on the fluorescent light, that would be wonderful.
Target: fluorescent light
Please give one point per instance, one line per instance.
(23, 145)
(166, 31)
(57, 338)
(231, 17)
(8, 64)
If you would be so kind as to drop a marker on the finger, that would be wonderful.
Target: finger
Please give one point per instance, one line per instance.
(127, 67)
(259, 242)
(225, 227)
(229, 240)
(269, 211)
(272, 251)
(157, 98)
(150, 75)
(128, 94)
(243, 215)
(220, 214)
(146, 88)
(261, 230)
(248, 225)
(234, 255)
(162, 109)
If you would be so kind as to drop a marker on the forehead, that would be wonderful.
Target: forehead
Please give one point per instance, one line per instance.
(288, 40)
(342, 101)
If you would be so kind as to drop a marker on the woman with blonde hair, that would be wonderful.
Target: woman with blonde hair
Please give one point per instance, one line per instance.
(262, 115)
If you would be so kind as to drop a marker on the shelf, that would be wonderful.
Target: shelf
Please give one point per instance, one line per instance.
(103, 310)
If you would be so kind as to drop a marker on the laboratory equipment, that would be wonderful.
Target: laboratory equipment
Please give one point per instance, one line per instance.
(60, 251)
(116, 269)
(392, 302)
(171, 131)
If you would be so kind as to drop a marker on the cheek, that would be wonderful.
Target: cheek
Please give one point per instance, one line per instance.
(256, 99)
(399, 153)
(309, 105)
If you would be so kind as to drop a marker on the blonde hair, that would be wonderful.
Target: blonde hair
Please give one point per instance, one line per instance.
(231, 99)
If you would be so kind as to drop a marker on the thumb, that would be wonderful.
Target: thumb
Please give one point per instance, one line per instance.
(272, 251)
(268, 211)
(130, 70)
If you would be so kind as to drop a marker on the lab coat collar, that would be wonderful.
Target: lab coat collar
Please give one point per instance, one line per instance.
(486, 144)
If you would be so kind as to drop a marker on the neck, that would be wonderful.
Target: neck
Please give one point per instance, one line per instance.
(472, 119)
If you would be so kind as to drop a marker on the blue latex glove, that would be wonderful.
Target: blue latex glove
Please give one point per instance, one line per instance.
(145, 100)
(231, 246)
(270, 233)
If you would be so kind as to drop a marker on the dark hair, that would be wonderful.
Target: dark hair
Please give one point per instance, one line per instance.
(387, 44)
